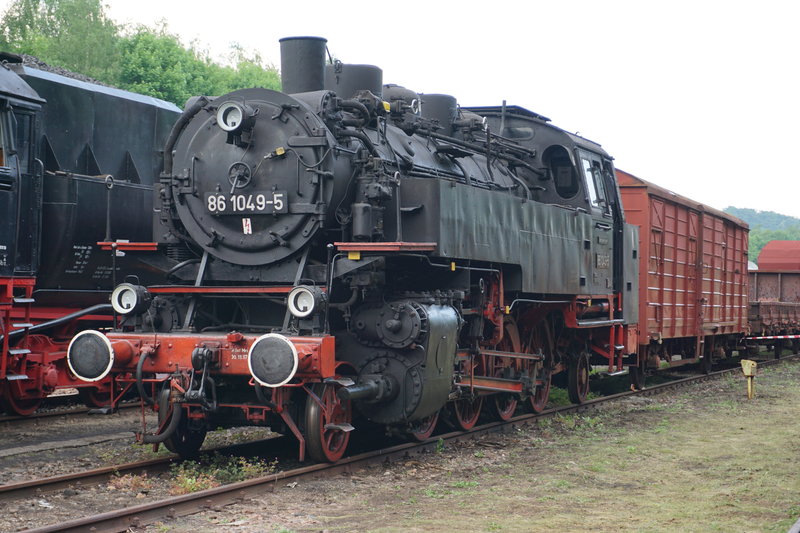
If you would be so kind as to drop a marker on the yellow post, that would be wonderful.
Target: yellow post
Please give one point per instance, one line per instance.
(749, 369)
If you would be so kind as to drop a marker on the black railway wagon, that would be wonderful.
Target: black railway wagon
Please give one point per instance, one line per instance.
(78, 161)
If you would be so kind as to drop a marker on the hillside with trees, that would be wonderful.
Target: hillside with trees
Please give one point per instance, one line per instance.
(766, 226)
(78, 35)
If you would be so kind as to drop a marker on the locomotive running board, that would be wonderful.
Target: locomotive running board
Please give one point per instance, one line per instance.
(127, 246)
(400, 246)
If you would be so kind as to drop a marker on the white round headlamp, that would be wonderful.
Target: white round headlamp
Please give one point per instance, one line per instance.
(235, 116)
(128, 298)
(303, 300)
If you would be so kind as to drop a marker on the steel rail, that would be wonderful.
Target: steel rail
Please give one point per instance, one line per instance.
(139, 515)
(22, 489)
(98, 475)
(66, 412)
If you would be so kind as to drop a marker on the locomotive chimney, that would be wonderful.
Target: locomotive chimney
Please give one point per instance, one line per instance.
(302, 64)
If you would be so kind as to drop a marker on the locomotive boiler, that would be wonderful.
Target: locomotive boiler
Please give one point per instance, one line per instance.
(77, 166)
(347, 250)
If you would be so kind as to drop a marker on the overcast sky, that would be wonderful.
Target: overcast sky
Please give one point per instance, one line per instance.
(700, 97)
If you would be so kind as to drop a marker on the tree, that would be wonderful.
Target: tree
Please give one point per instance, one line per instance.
(251, 71)
(77, 35)
(766, 226)
(74, 34)
(155, 63)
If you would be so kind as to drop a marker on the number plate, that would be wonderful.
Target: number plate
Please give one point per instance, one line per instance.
(254, 203)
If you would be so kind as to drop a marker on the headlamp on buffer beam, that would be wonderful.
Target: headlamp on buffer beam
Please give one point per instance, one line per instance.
(304, 301)
(130, 299)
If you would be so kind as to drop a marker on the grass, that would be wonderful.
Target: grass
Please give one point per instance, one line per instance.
(215, 470)
(559, 397)
(706, 459)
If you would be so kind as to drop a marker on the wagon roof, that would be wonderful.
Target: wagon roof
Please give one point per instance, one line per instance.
(780, 256)
(627, 180)
(14, 86)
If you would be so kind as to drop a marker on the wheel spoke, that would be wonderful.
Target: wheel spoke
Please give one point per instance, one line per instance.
(326, 444)
(540, 396)
(19, 406)
(423, 428)
(578, 379)
(467, 411)
(504, 405)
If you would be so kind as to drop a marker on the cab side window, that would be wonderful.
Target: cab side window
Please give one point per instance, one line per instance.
(2, 140)
(24, 144)
(562, 171)
(593, 173)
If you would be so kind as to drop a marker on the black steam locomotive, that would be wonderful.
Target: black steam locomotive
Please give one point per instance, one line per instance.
(348, 249)
(77, 166)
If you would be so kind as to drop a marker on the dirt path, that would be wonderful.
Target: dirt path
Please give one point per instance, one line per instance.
(705, 459)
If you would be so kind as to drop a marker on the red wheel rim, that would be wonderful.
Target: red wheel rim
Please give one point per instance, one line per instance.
(18, 406)
(325, 439)
(467, 412)
(335, 412)
(422, 429)
(505, 404)
(541, 395)
(578, 382)
(93, 397)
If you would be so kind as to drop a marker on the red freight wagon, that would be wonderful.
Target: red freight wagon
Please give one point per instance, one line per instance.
(775, 294)
(692, 276)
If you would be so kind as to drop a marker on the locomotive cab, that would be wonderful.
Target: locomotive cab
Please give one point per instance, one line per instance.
(19, 108)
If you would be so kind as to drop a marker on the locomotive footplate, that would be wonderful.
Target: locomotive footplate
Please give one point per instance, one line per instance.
(386, 246)
(127, 246)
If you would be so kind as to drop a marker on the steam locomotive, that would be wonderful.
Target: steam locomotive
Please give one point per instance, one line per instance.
(347, 250)
(77, 166)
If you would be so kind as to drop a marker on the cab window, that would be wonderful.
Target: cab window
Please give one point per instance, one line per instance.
(2, 142)
(593, 172)
(24, 125)
(562, 171)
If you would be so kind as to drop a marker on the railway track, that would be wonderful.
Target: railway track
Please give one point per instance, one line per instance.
(147, 513)
(72, 411)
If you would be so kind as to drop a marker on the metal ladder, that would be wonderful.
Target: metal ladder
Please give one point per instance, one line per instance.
(15, 310)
